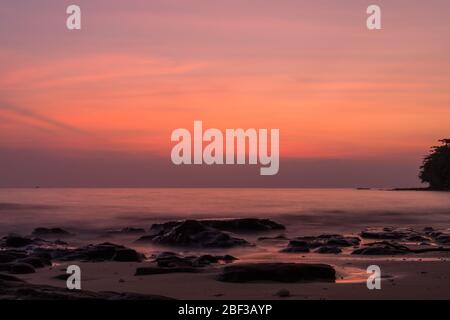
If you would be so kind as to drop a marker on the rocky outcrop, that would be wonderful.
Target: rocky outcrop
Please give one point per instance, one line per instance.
(191, 233)
(170, 262)
(382, 248)
(99, 252)
(278, 272)
(327, 243)
(244, 225)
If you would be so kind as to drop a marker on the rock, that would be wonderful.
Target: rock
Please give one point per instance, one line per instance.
(296, 246)
(233, 225)
(341, 241)
(97, 253)
(16, 290)
(191, 233)
(279, 237)
(416, 238)
(128, 230)
(15, 241)
(244, 225)
(36, 262)
(128, 255)
(50, 232)
(385, 233)
(21, 268)
(328, 249)
(145, 271)
(278, 272)
(382, 248)
(5, 258)
(283, 293)
(7, 277)
(172, 260)
(443, 238)
(333, 240)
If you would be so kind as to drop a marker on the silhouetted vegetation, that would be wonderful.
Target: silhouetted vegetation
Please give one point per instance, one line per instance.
(436, 167)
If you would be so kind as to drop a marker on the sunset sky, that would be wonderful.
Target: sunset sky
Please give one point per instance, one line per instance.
(96, 107)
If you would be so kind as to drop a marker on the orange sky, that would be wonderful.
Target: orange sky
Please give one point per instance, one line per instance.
(140, 69)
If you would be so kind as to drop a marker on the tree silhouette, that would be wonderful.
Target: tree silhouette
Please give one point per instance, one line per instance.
(436, 167)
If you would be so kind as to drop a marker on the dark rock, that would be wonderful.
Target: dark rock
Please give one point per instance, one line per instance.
(128, 255)
(21, 268)
(343, 241)
(334, 240)
(328, 249)
(244, 225)
(417, 238)
(172, 260)
(192, 233)
(382, 248)
(5, 258)
(443, 238)
(7, 277)
(385, 233)
(14, 290)
(145, 271)
(278, 272)
(36, 262)
(279, 237)
(296, 246)
(50, 232)
(283, 293)
(15, 241)
(128, 230)
(97, 253)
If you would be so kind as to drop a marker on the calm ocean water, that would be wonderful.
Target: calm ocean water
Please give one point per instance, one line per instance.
(301, 210)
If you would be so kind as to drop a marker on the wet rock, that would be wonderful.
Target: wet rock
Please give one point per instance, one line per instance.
(191, 233)
(5, 258)
(279, 237)
(297, 246)
(128, 255)
(386, 233)
(15, 241)
(340, 241)
(382, 248)
(7, 277)
(283, 293)
(244, 225)
(328, 249)
(171, 260)
(443, 238)
(97, 253)
(416, 238)
(278, 272)
(21, 268)
(50, 232)
(36, 262)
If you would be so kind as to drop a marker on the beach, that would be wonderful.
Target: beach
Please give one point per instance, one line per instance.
(404, 233)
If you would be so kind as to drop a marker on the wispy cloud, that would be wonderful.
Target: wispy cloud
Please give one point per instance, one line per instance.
(45, 120)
